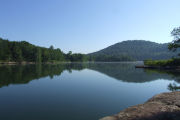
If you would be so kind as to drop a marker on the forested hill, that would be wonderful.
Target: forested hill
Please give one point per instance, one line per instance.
(24, 51)
(123, 51)
(133, 50)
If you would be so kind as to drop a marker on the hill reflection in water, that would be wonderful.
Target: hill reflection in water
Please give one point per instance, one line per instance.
(126, 72)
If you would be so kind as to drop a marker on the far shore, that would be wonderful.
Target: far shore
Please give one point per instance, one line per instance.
(25, 62)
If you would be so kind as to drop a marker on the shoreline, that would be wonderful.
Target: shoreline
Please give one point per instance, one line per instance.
(164, 106)
(24, 62)
(29, 63)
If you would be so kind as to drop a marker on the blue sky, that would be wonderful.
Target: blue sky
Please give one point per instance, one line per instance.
(87, 25)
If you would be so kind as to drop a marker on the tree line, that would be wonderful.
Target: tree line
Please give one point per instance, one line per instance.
(24, 51)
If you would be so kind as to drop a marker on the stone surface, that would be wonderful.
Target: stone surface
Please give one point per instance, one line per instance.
(165, 106)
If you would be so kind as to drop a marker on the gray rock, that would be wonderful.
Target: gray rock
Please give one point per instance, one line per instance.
(165, 106)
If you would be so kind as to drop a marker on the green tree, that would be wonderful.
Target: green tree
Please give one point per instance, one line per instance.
(24, 51)
(38, 56)
(175, 44)
(45, 55)
(51, 47)
(69, 56)
(17, 54)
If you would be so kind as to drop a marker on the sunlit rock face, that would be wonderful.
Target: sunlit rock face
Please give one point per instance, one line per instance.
(165, 106)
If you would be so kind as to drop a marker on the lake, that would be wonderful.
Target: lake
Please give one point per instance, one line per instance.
(77, 91)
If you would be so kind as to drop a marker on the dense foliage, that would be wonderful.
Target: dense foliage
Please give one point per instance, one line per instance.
(170, 62)
(76, 57)
(134, 50)
(24, 51)
(175, 44)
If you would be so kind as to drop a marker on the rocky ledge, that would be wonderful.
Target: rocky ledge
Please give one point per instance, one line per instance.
(165, 106)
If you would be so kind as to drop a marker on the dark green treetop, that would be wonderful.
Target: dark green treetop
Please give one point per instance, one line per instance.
(175, 44)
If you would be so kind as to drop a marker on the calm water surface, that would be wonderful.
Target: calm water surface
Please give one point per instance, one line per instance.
(76, 91)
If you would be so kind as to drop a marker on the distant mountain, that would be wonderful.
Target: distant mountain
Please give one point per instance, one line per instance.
(133, 50)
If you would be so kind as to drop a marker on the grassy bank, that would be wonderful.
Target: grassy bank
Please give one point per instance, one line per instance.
(163, 63)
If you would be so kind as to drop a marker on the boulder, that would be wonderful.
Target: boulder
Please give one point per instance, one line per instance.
(165, 106)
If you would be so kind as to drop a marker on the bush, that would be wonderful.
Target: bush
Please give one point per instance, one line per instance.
(170, 62)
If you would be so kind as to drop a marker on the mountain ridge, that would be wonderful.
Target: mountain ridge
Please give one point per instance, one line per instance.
(134, 49)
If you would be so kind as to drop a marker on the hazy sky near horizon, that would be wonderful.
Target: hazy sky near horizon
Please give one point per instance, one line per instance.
(88, 25)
